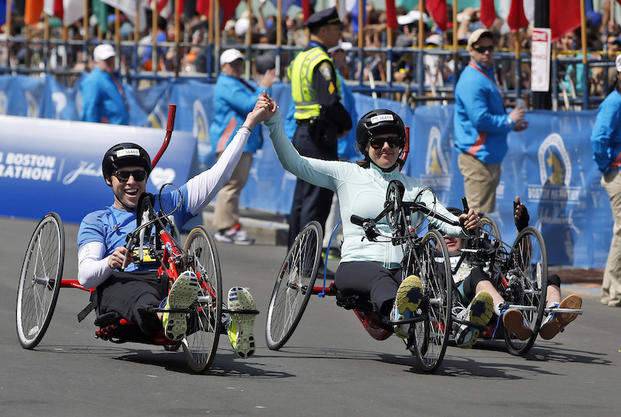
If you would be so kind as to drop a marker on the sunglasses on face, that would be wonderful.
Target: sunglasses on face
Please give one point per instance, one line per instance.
(483, 49)
(378, 143)
(123, 175)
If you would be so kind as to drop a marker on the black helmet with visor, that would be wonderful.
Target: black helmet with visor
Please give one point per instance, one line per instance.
(124, 155)
(379, 122)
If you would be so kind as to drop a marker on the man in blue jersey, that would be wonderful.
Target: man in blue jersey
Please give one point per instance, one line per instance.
(132, 290)
(606, 144)
(103, 96)
(481, 124)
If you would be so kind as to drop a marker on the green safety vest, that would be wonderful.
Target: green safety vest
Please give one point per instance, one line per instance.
(301, 75)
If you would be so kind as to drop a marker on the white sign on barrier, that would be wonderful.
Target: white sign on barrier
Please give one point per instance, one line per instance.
(540, 60)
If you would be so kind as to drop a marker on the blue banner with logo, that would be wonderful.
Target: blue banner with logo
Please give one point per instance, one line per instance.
(549, 165)
(51, 165)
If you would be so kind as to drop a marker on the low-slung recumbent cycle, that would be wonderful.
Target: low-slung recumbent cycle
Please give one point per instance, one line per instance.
(155, 242)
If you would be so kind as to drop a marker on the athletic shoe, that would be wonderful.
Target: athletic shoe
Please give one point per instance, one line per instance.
(334, 254)
(409, 297)
(181, 296)
(233, 235)
(554, 323)
(240, 326)
(480, 312)
(514, 323)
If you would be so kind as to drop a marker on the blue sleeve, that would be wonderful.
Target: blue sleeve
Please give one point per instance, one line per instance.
(607, 119)
(90, 99)
(477, 107)
(90, 231)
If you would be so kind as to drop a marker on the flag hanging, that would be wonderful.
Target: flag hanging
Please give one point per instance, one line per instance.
(437, 10)
(488, 12)
(100, 10)
(32, 11)
(564, 17)
(517, 19)
(391, 15)
(227, 9)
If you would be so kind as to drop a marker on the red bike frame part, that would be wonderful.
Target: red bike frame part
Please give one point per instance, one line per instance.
(170, 126)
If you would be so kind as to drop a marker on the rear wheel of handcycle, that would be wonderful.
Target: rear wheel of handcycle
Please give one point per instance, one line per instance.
(40, 280)
(205, 317)
(528, 280)
(431, 262)
(294, 286)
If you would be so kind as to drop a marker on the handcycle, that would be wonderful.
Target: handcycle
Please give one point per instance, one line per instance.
(154, 241)
(520, 274)
(425, 256)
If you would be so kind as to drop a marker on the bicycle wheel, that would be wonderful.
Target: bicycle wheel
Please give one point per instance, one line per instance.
(205, 318)
(294, 286)
(527, 280)
(489, 226)
(394, 199)
(431, 262)
(40, 280)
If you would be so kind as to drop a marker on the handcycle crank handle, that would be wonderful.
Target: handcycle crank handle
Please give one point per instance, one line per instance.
(358, 221)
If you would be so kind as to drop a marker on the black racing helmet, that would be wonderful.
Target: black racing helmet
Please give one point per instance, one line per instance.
(123, 155)
(378, 122)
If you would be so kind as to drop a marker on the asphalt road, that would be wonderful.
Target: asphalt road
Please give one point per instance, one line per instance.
(330, 367)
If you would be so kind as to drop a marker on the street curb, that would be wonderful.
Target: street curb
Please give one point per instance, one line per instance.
(264, 231)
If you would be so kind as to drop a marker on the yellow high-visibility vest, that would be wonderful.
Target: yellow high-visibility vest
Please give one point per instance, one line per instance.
(301, 75)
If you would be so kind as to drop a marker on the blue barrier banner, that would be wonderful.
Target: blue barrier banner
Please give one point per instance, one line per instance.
(549, 165)
(49, 165)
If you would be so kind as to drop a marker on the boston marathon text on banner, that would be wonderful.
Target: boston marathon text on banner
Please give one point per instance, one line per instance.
(53, 165)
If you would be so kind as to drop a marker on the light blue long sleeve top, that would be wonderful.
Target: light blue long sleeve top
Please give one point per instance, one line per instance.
(480, 123)
(361, 191)
(606, 136)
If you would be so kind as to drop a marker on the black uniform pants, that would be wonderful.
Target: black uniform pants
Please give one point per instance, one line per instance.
(309, 201)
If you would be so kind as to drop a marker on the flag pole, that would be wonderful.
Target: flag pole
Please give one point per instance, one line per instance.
(117, 36)
(216, 29)
(420, 74)
(85, 35)
(248, 38)
(46, 40)
(9, 6)
(585, 85)
(360, 23)
(518, 83)
(278, 36)
(455, 56)
(177, 61)
(154, 37)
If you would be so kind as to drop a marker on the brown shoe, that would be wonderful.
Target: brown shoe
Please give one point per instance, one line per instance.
(513, 321)
(556, 322)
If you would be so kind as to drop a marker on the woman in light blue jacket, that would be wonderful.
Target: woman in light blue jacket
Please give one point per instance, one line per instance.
(371, 269)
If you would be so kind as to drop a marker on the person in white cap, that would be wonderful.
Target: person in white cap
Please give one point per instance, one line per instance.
(481, 124)
(103, 96)
(606, 144)
(233, 99)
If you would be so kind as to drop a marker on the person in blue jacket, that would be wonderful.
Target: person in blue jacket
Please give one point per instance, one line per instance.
(606, 145)
(103, 96)
(481, 124)
(233, 98)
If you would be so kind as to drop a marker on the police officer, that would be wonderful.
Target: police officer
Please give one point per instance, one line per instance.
(320, 116)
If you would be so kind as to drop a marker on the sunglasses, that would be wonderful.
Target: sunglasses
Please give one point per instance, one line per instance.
(483, 49)
(123, 175)
(378, 143)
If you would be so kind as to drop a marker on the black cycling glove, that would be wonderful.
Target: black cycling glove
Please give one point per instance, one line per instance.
(522, 221)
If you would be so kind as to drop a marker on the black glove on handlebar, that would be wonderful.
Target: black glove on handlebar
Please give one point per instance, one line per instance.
(522, 221)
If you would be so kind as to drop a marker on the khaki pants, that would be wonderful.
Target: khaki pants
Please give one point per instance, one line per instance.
(611, 285)
(226, 213)
(480, 182)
